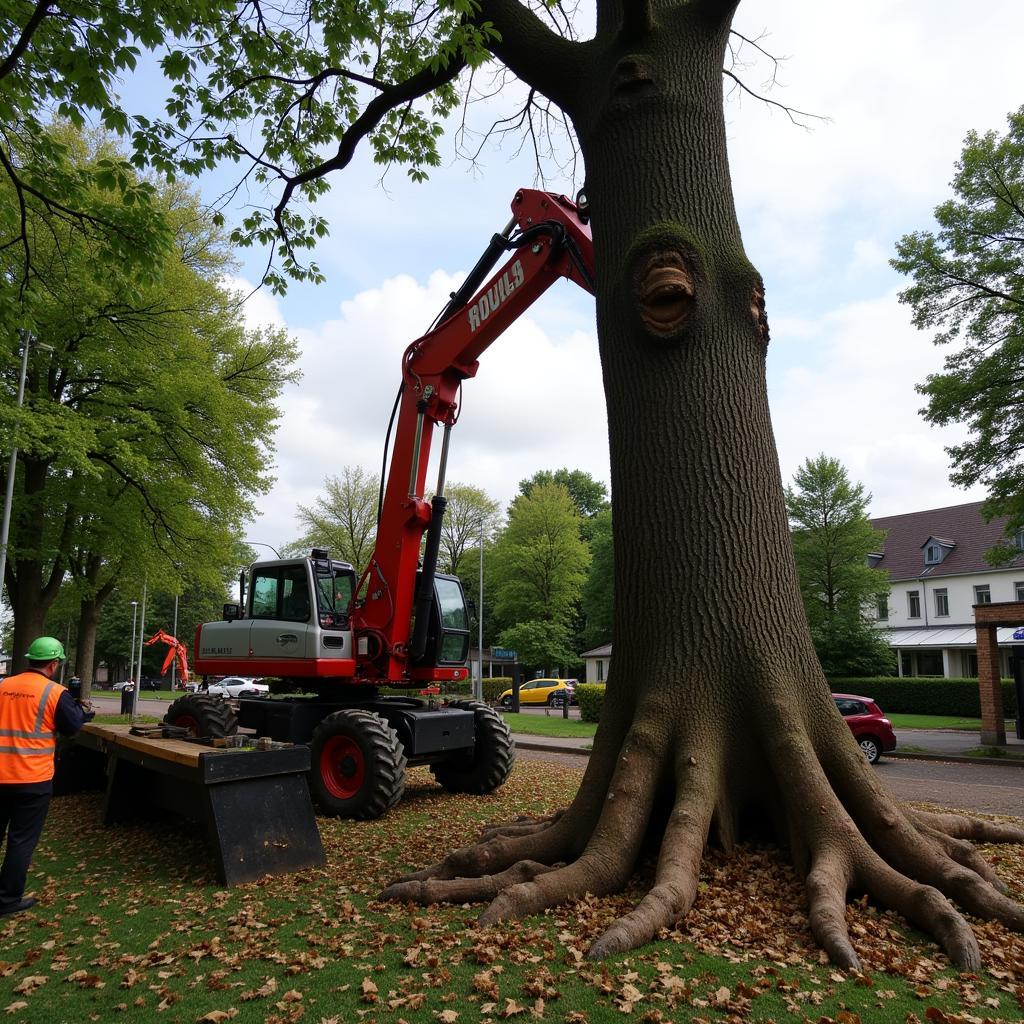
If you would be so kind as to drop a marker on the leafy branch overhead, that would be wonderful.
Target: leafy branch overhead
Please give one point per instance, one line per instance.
(968, 288)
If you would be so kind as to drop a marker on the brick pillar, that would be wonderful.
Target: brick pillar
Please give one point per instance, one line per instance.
(993, 726)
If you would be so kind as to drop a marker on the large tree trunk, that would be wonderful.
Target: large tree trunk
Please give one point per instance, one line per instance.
(717, 713)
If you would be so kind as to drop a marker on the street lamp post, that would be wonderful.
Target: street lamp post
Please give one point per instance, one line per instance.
(260, 544)
(27, 340)
(479, 694)
(142, 633)
(131, 659)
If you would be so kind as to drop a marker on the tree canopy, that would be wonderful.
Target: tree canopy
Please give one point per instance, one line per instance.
(343, 519)
(540, 559)
(968, 288)
(129, 442)
(832, 538)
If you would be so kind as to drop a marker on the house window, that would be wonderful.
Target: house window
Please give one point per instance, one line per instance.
(983, 594)
(600, 671)
(941, 602)
(933, 554)
(913, 604)
(1018, 540)
(883, 607)
(1018, 591)
(929, 663)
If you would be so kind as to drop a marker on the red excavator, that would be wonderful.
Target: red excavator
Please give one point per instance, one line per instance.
(330, 640)
(178, 652)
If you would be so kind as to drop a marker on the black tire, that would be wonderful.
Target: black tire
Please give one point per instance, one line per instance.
(203, 715)
(506, 702)
(556, 699)
(491, 761)
(358, 765)
(871, 749)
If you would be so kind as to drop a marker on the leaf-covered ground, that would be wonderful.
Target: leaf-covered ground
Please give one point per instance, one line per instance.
(131, 923)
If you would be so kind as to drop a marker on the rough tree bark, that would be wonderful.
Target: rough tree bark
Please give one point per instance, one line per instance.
(716, 702)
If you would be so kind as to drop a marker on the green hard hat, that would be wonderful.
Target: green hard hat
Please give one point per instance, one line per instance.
(46, 648)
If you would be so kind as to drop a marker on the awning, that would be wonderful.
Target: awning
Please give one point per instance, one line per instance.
(962, 636)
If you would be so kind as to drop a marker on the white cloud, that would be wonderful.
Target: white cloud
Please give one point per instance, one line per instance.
(536, 402)
(851, 395)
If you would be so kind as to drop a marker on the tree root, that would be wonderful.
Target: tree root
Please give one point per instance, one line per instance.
(845, 834)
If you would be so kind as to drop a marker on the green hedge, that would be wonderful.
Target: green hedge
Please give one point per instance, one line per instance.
(907, 696)
(590, 697)
(925, 696)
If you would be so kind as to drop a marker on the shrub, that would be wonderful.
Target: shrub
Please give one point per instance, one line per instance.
(495, 686)
(924, 696)
(590, 697)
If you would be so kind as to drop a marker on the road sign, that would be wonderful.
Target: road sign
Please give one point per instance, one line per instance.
(503, 654)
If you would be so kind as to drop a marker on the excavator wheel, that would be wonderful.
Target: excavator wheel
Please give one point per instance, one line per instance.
(358, 766)
(489, 763)
(203, 715)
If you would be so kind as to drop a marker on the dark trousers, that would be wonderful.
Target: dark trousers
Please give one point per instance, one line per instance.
(22, 815)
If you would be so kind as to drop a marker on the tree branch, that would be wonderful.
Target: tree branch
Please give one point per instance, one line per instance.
(42, 8)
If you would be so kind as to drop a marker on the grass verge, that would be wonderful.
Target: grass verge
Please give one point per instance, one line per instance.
(549, 725)
(131, 923)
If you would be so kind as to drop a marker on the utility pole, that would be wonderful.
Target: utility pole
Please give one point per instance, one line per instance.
(142, 633)
(174, 633)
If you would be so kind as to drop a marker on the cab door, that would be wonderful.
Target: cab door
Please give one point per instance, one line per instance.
(281, 612)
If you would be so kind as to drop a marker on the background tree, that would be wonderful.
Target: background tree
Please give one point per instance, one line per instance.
(541, 645)
(469, 508)
(832, 538)
(590, 496)
(344, 520)
(540, 560)
(130, 423)
(967, 289)
(715, 701)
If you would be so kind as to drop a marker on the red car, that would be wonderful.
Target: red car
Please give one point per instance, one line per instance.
(871, 729)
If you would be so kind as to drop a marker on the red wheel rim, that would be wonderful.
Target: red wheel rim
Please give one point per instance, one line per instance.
(342, 767)
(188, 722)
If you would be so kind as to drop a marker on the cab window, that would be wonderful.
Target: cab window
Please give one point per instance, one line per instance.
(453, 607)
(281, 592)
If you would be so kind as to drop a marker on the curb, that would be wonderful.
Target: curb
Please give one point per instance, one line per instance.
(1001, 762)
(897, 755)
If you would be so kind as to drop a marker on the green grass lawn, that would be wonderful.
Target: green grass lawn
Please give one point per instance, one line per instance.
(549, 725)
(938, 722)
(131, 924)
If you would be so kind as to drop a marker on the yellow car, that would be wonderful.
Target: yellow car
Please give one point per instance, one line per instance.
(553, 692)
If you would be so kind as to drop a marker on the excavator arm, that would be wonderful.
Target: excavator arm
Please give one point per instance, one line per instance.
(548, 237)
(178, 652)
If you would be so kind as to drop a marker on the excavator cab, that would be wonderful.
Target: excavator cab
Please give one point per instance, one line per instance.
(448, 631)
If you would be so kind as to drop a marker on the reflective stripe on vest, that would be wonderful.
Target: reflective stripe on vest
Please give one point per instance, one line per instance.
(27, 739)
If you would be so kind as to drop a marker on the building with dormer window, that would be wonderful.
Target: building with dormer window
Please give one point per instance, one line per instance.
(937, 568)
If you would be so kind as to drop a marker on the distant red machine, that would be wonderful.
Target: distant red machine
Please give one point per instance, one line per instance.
(177, 651)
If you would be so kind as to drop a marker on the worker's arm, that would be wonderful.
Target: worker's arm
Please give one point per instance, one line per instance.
(69, 716)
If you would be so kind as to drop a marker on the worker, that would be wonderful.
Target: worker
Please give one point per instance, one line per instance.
(33, 708)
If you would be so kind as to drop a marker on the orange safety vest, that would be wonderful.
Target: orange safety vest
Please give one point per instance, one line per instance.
(28, 741)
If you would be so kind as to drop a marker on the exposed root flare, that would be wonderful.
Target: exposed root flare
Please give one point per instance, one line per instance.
(845, 834)
(827, 885)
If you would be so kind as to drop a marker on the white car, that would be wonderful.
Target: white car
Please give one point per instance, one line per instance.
(238, 686)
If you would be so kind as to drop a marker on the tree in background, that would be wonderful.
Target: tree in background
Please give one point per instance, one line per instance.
(540, 560)
(701, 716)
(967, 290)
(344, 520)
(469, 509)
(128, 443)
(832, 538)
(540, 645)
(590, 496)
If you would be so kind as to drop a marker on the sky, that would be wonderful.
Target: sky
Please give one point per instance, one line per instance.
(898, 84)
